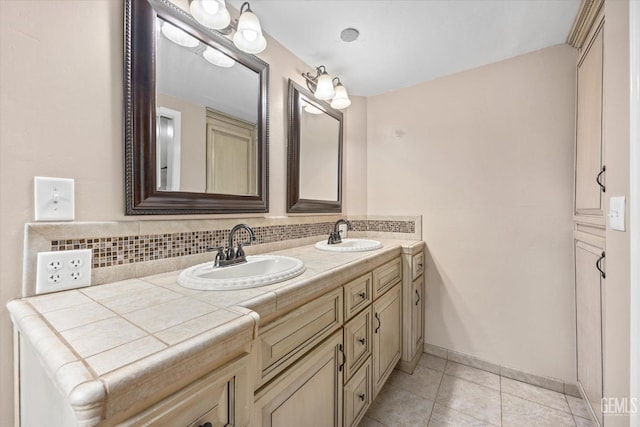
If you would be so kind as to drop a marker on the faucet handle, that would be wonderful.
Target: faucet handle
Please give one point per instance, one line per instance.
(240, 252)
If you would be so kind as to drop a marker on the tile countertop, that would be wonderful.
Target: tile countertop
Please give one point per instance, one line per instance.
(100, 343)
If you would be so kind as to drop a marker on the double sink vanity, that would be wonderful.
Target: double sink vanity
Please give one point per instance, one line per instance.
(309, 338)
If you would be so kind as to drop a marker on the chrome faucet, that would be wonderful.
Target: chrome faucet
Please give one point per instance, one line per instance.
(230, 256)
(334, 236)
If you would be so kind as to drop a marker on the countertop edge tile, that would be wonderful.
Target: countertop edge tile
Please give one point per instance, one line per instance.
(166, 371)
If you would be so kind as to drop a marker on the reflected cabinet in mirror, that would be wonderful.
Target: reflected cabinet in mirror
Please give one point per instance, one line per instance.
(196, 125)
(315, 154)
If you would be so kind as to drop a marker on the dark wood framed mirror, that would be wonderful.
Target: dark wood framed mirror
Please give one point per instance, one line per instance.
(196, 117)
(314, 160)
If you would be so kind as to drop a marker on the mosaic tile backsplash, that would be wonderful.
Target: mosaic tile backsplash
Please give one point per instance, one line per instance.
(112, 251)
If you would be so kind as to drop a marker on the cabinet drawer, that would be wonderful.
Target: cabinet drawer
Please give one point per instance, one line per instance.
(210, 399)
(417, 265)
(357, 395)
(385, 276)
(357, 295)
(357, 342)
(289, 337)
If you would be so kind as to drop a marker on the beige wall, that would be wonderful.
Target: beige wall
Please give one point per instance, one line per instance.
(486, 156)
(61, 115)
(193, 142)
(616, 315)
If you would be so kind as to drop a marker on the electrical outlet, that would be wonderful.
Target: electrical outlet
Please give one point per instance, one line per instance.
(342, 228)
(60, 270)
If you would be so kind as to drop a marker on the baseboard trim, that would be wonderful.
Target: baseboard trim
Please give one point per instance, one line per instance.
(553, 384)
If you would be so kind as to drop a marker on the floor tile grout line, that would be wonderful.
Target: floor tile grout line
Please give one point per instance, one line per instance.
(539, 403)
(464, 413)
(471, 381)
(435, 399)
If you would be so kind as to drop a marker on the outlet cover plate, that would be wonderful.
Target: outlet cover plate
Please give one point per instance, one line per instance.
(54, 199)
(61, 270)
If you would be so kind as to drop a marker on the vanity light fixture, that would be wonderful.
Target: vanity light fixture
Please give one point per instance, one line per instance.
(210, 13)
(311, 109)
(213, 14)
(326, 88)
(341, 98)
(178, 36)
(215, 57)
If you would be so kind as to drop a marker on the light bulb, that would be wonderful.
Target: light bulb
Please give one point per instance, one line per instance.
(248, 37)
(324, 89)
(341, 98)
(178, 36)
(210, 13)
(215, 57)
(210, 6)
(312, 109)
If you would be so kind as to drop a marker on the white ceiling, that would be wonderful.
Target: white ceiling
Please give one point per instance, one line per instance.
(404, 42)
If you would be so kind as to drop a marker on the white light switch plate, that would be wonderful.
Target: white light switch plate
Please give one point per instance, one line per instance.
(616, 213)
(54, 199)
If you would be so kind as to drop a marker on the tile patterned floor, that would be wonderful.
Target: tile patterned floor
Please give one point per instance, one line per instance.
(443, 393)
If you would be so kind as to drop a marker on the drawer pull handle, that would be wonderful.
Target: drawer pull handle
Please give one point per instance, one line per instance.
(603, 170)
(362, 295)
(599, 266)
(377, 327)
(418, 295)
(362, 341)
(207, 424)
(344, 358)
(362, 397)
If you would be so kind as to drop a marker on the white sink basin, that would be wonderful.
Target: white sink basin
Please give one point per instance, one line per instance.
(350, 245)
(259, 270)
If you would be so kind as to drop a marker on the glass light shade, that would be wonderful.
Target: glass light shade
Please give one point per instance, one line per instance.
(324, 89)
(312, 109)
(341, 99)
(248, 36)
(210, 13)
(218, 58)
(178, 36)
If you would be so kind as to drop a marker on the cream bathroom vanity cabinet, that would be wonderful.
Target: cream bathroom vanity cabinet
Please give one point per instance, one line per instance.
(314, 351)
(355, 336)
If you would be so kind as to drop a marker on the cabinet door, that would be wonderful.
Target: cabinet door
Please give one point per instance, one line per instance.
(589, 322)
(357, 395)
(357, 342)
(589, 161)
(309, 393)
(417, 316)
(387, 333)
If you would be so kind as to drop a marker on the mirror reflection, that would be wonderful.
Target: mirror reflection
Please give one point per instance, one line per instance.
(207, 108)
(319, 154)
(315, 154)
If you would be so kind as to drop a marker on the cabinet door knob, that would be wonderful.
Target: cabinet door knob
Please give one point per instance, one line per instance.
(207, 424)
(599, 176)
(377, 327)
(362, 396)
(599, 266)
(362, 295)
(418, 295)
(362, 341)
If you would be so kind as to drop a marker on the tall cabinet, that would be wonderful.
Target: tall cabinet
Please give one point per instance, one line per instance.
(587, 35)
